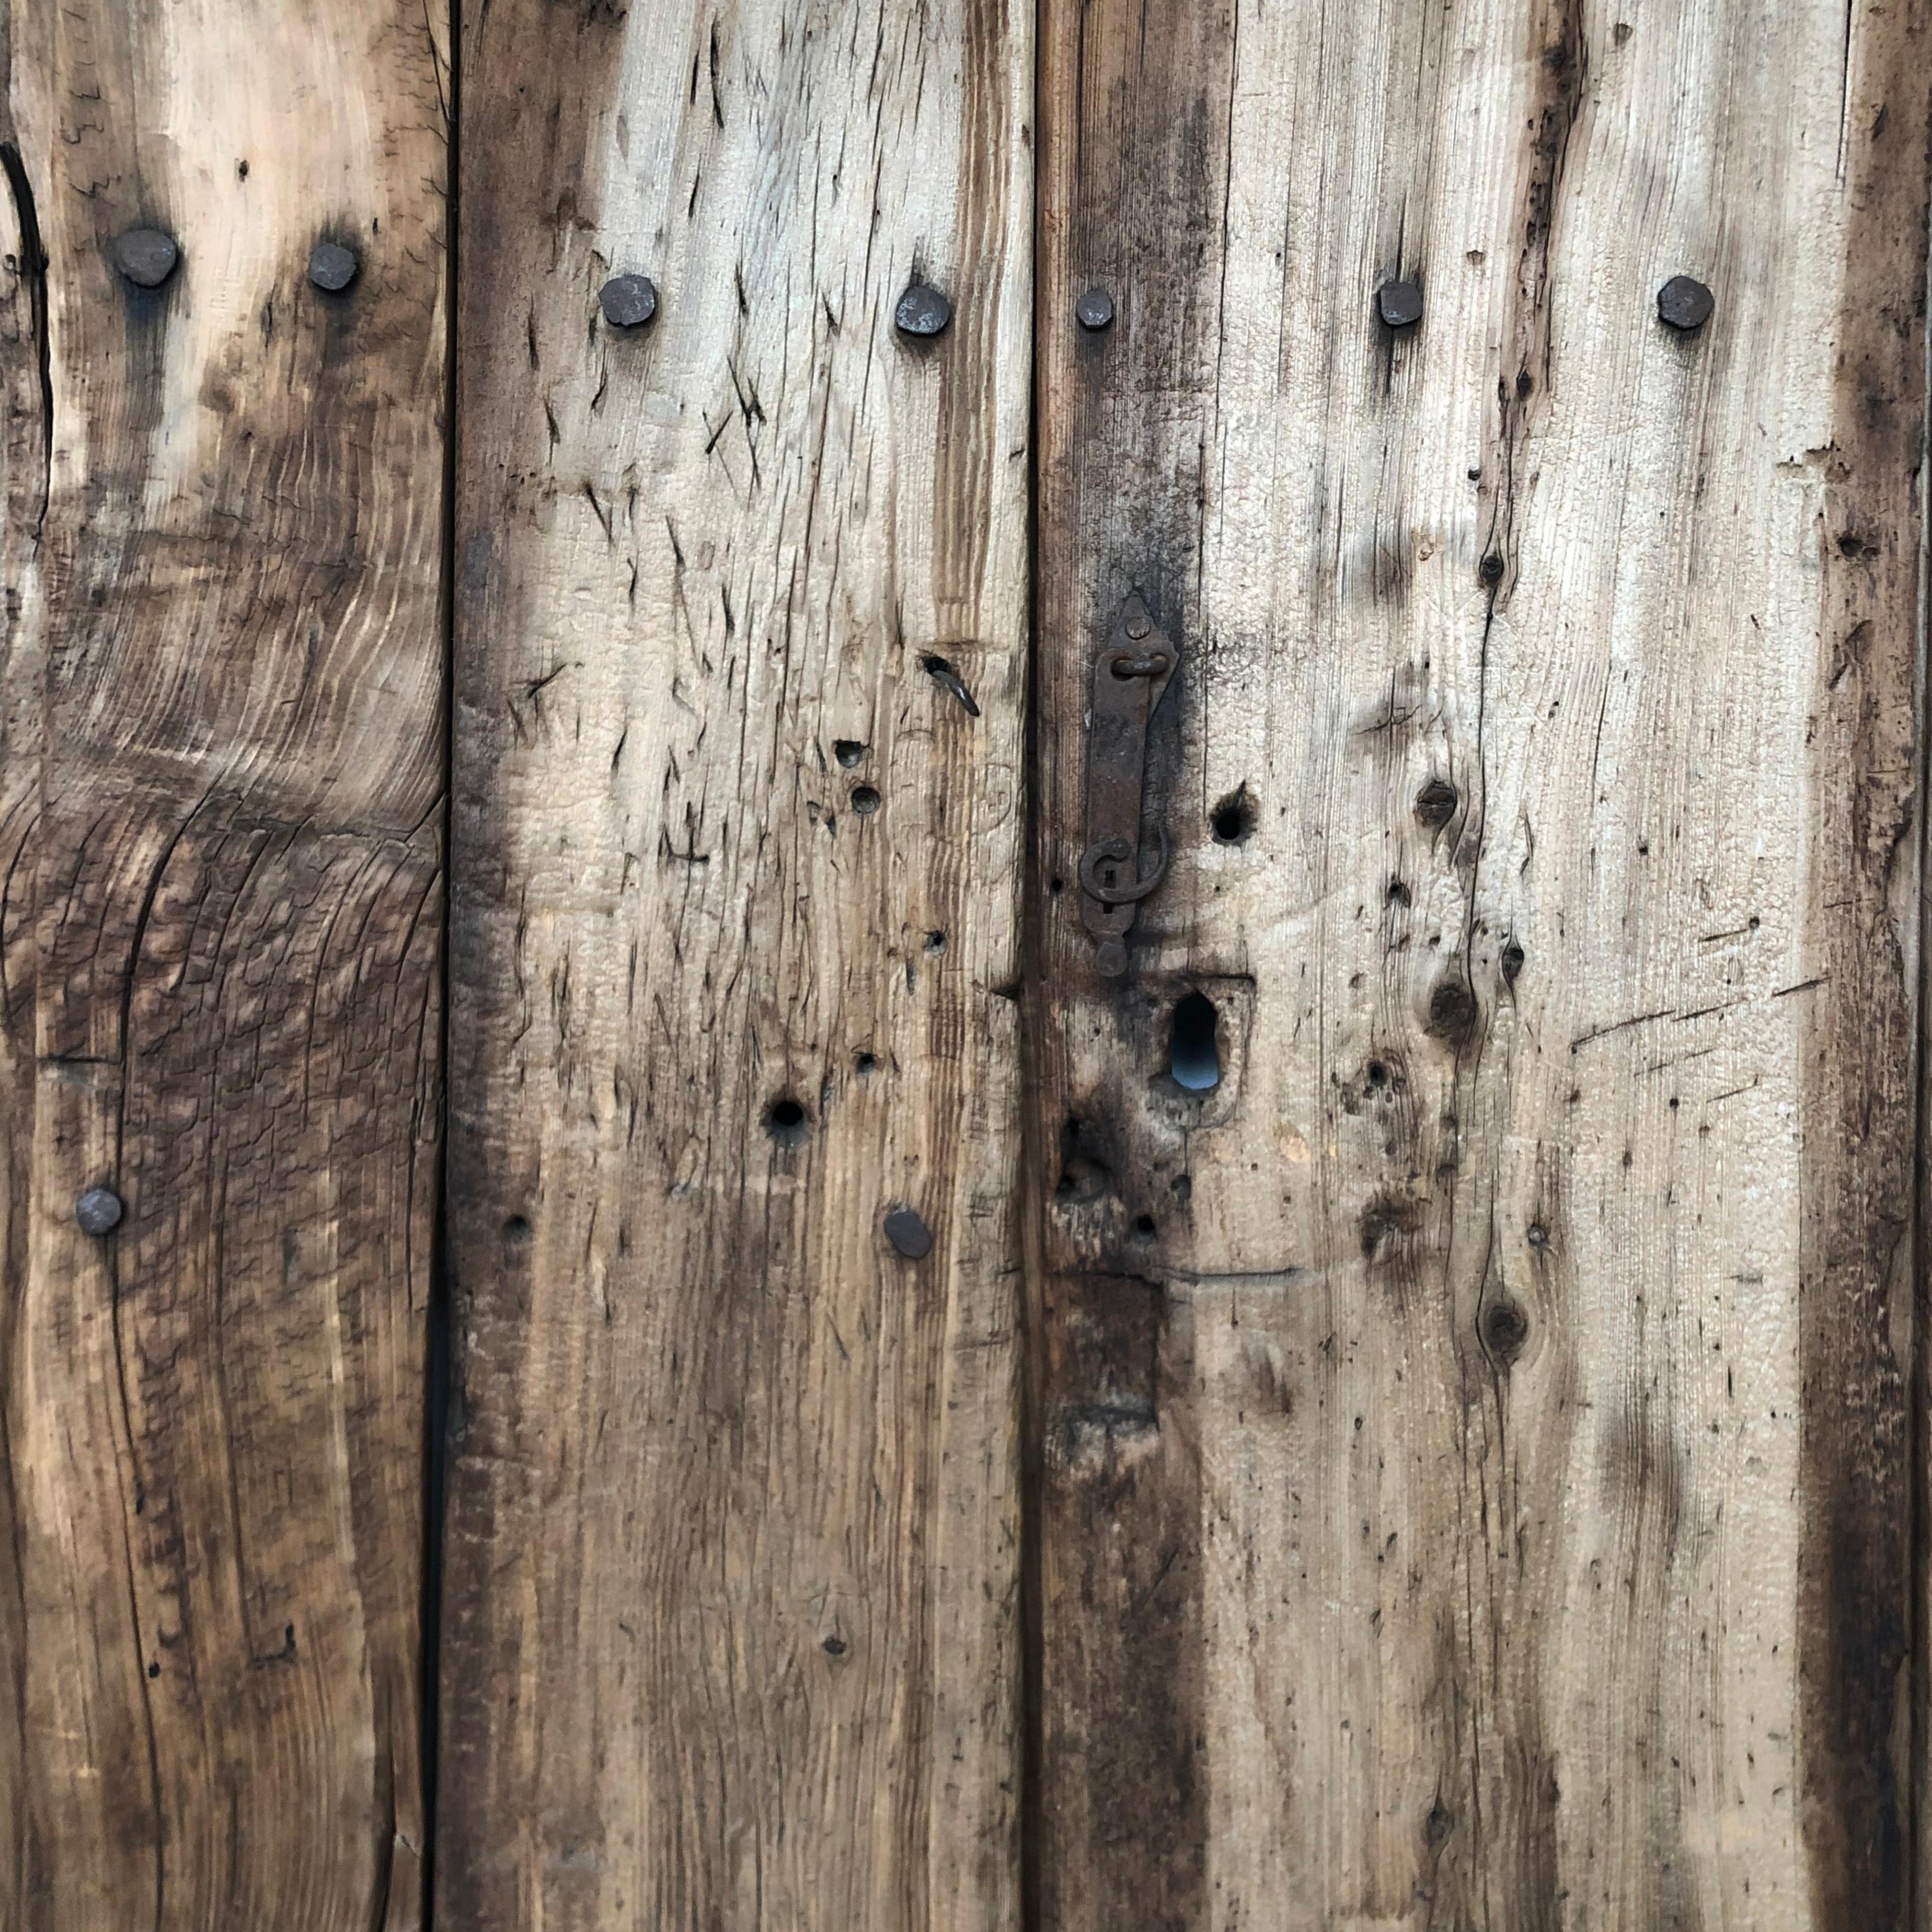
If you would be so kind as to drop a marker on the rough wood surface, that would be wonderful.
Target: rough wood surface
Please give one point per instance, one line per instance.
(220, 849)
(732, 1538)
(1476, 1434)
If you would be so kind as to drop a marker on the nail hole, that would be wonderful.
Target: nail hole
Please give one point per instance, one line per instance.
(864, 800)
(787, 1122)
(866, 1064)
(1194, 1058)
(1398, 892)
(1144, 1224)
(516, 1230)
(935, 942)
(1492, 571)
(154, 1670)
(1234, 818)
(833, 1646)
(1378, 1074)
(848, 751)
(1512, 961)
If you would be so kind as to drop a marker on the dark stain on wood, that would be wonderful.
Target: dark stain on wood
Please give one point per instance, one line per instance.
(1856, 1302)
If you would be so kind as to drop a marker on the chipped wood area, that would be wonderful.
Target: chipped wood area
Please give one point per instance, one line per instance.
(220, 847)
(1475, 1433)
(740, 668)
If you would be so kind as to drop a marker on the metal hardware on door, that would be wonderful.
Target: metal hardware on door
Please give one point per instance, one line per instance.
(1130, 673)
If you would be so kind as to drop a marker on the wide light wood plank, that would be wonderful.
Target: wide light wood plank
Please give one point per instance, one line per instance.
(1476, 1433)
(733, 1531)
(220, 852)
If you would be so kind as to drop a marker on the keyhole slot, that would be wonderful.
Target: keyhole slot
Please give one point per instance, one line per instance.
(1194, 1054)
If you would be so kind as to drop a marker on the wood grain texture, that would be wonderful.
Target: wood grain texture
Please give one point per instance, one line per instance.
(732, 1538)
(221, 851)
(1476, 1435)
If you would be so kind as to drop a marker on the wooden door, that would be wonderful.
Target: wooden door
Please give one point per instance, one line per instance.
(1374, 1385)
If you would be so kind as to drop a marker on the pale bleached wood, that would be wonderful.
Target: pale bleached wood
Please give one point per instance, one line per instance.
(733, 1528)
(1502, 1437)
(222, 897)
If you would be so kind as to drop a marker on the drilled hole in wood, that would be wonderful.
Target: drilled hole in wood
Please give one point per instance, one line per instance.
(1378, 1074)
(848, 751)
(866, 1063)
(1144, 1226)
(1233, 819)
(1194, 1056)
(786, 1122)
(864, 800)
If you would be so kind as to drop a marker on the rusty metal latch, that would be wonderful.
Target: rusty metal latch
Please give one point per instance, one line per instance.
(1130, 674)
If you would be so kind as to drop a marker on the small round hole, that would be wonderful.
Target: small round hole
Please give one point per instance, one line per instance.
(1378, 1074)
(864, 800)
(935, 942)
(1233, 819)
(848, 751)
(1143, 1226)
(787, 1121)
(866, 1064)
(516, 1230)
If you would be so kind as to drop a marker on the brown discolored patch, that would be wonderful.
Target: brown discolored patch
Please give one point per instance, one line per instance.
(1133, 122)
(1559, 47)
(1859, 1115)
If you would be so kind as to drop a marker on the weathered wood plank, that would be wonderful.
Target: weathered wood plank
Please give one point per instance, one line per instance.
(731, 1634)
(1475, 1433)
(222, 711)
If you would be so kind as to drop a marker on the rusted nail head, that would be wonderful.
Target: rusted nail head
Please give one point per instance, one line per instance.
(331, 266)
(1685, 303)
(145, 256)
(1138, 625)
(1094, 310)
(98, 1211)
(629, 301)
(1399, 304)
(908, 1233)
(923, 311)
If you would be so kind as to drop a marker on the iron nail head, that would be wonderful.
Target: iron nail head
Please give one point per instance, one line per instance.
(908, 1233)
(332, 267)
(629, 301)
(1094, 310)
(1684, 302)
(98, 1211)
(1399, 304)
(145, 256)
(923, 311)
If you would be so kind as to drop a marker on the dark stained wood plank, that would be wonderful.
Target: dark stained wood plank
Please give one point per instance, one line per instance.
(221, 842)
(731, 1630)
(1474, 1436)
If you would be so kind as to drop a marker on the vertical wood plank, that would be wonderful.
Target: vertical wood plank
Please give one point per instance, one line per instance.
(1476, 1432)
(730, 1636)
(220, 852)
